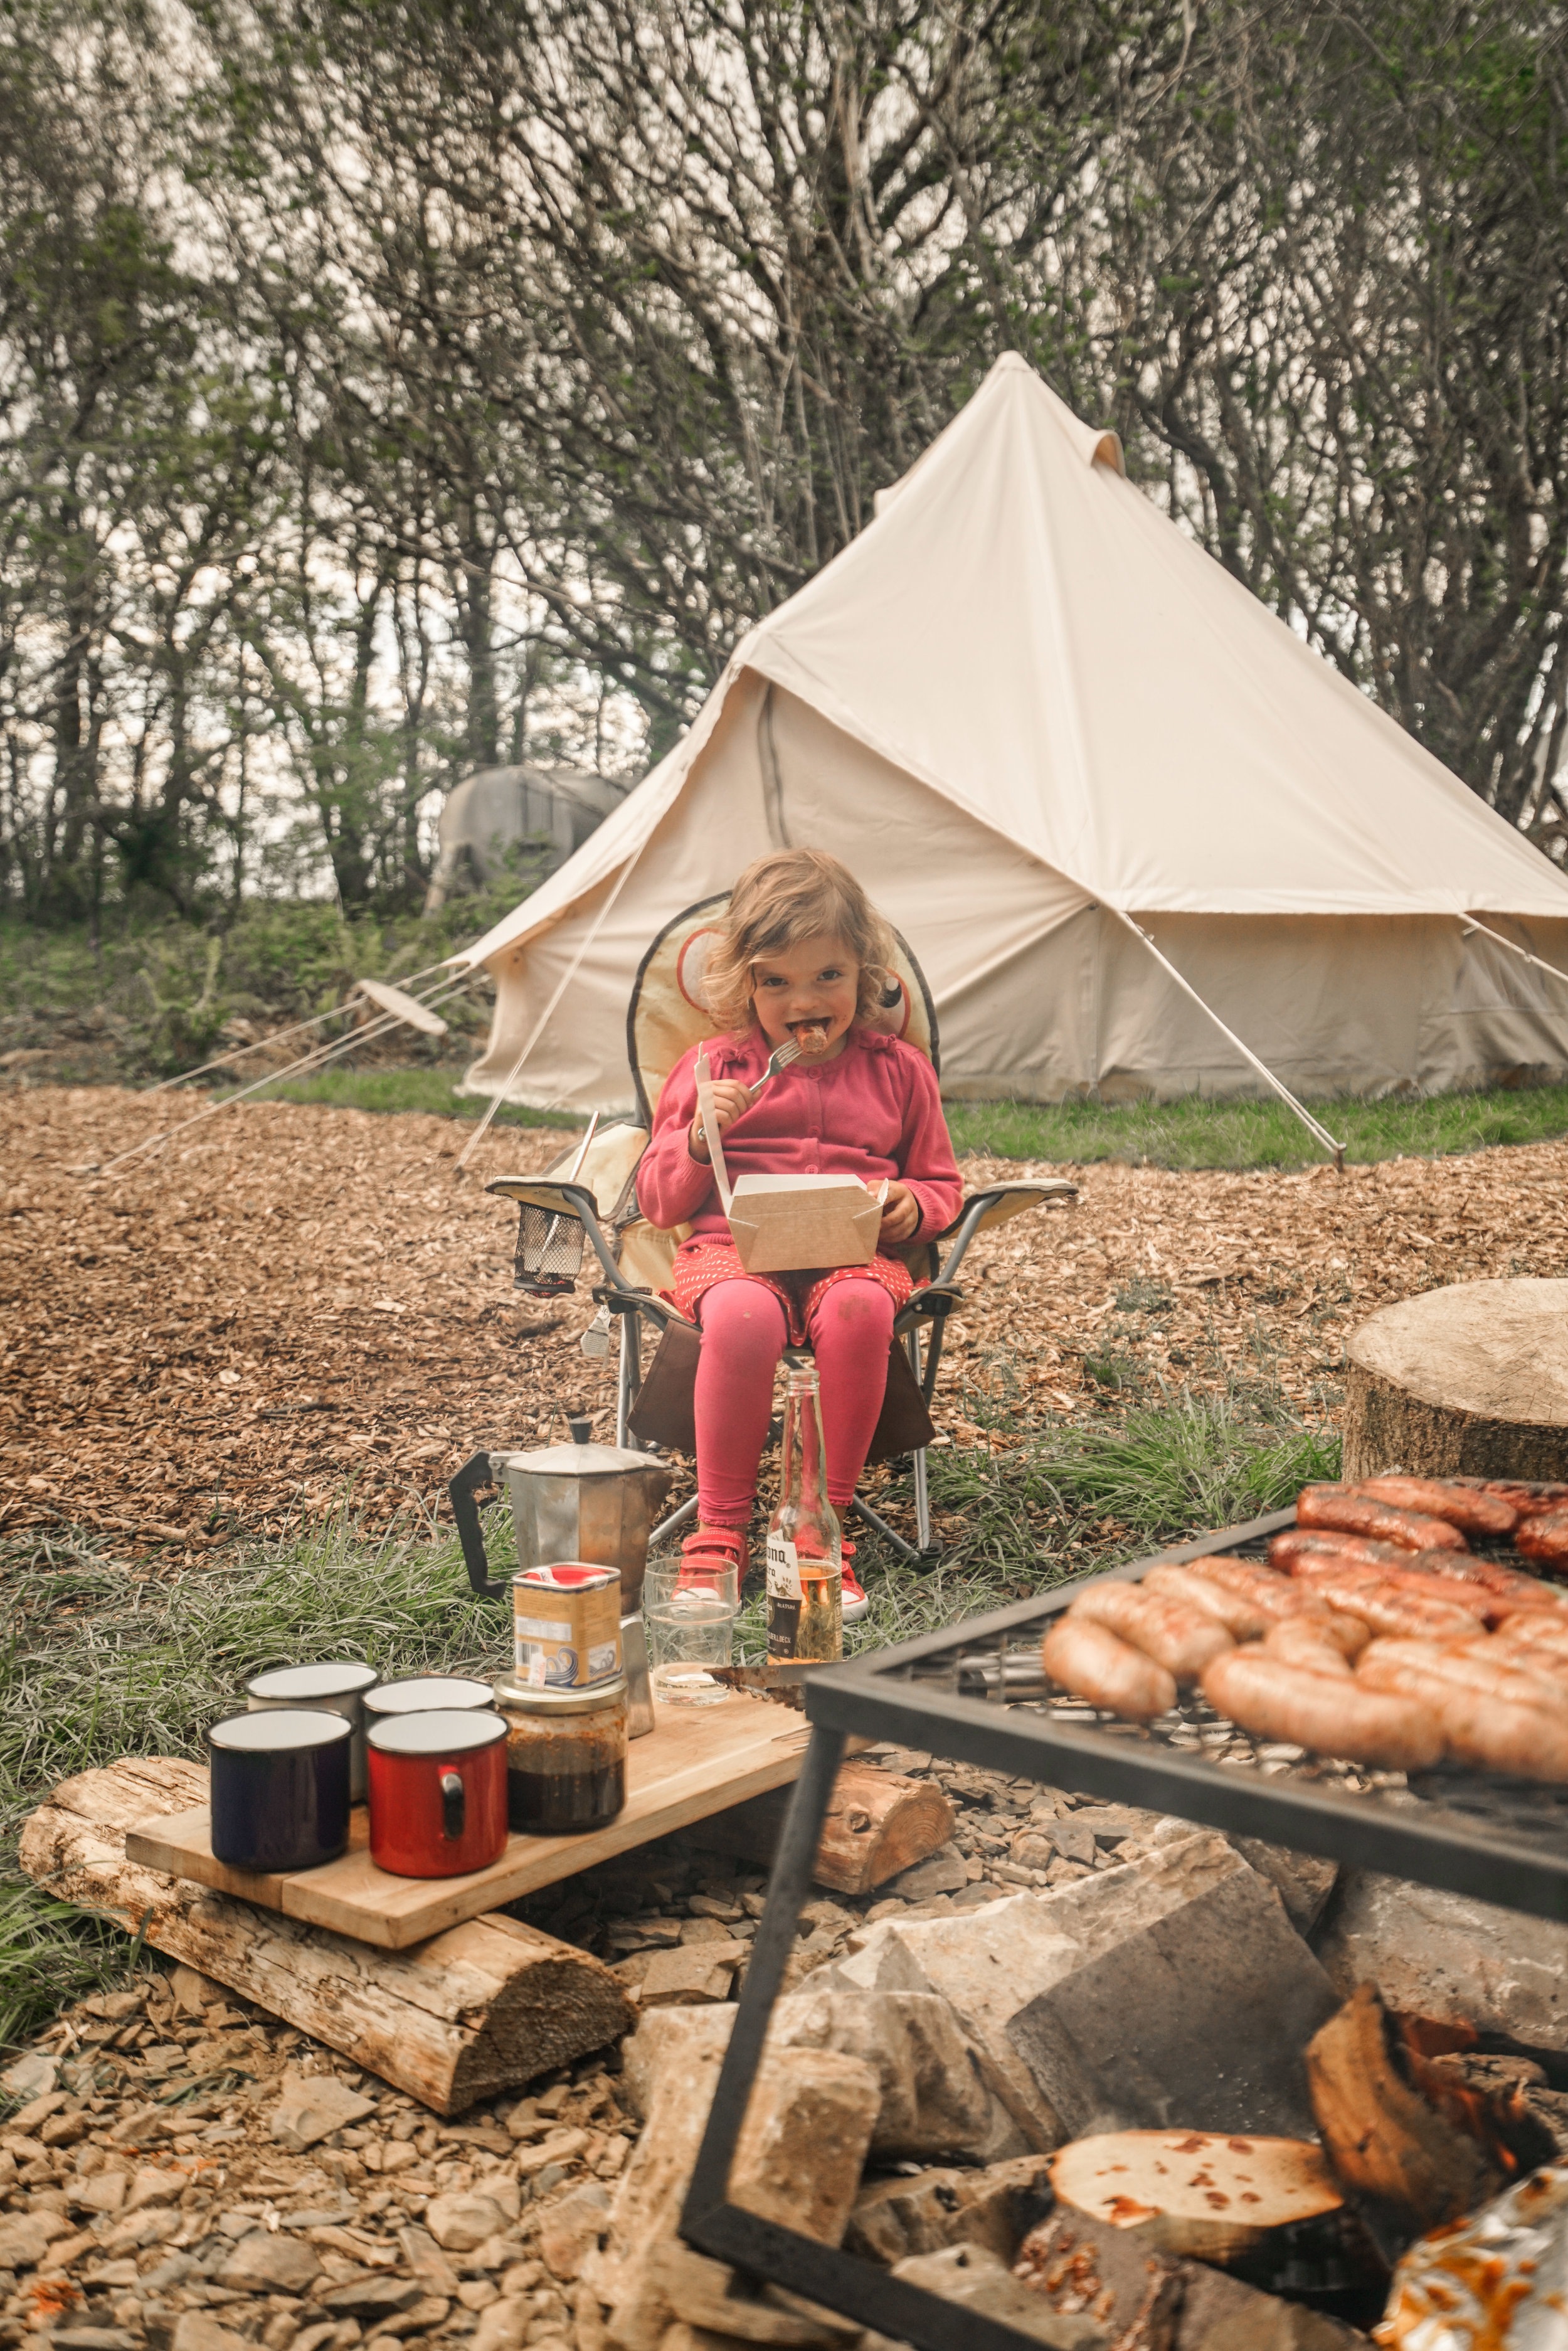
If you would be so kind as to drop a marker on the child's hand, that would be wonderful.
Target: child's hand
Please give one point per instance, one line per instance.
(900, 1215)
(729, 1099)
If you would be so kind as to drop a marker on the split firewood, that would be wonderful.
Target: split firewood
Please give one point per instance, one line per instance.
(878, 1823)
(1401, 2131)
(1203, 2195)
(484, 2007)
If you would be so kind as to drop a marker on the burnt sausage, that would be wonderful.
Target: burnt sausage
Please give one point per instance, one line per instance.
(1544, 1537)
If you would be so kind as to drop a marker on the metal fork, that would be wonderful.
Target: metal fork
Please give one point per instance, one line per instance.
(782, 1056)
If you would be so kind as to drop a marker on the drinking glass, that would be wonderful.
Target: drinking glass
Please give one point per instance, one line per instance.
(691, 1616)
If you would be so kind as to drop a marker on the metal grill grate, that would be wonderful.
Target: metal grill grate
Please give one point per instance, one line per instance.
(549, 1252)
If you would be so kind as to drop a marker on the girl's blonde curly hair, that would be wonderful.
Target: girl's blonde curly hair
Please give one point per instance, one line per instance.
(779, 900)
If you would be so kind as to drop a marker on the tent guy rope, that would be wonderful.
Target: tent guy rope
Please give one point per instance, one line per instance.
(1283, 1091)
(305, 1065)
(295, 1029)
(564, 982)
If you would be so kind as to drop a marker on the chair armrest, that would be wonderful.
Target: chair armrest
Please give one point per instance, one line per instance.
(1000, 1202)
(996, 1206)
(622, 1298)
(933, 1302)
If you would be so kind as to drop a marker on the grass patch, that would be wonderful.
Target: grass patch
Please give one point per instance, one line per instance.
(1179, 1134)
(99, 1666)
(405, 1090)
(1193, 1134)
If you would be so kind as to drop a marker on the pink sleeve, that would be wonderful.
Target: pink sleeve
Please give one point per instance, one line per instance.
(672, 1187)
(925, 1151)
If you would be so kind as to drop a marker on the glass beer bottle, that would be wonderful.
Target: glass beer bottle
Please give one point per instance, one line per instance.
(805, 1574)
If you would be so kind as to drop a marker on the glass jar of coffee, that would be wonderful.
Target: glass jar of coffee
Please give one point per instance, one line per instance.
(565, 1756)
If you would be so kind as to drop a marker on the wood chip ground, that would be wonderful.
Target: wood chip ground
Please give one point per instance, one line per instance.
(291, 1304)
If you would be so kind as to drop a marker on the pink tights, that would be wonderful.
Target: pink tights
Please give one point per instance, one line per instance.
(743, 1333)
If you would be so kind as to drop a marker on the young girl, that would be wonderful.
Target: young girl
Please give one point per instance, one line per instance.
(803, 955)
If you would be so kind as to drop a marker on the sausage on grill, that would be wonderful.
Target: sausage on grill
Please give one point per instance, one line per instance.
(1243, 1617)
(1476, 1513)
(1387, 1608)
(1340, 1510)
(1537, 1638)
(1319, 1645)
(1544, 1537)
(1529, 1497)
(1178, 1636)
(1490, 1717)
(1089, 1661)
(1320, 1711)
(1309, 1543)
(1275, 1595)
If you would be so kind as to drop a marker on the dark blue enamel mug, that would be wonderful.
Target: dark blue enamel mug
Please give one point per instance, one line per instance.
(279, 1788)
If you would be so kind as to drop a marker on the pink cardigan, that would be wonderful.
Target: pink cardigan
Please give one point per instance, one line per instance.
(874, 1111)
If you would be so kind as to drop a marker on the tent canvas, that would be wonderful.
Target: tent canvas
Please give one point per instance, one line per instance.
(1024, 706)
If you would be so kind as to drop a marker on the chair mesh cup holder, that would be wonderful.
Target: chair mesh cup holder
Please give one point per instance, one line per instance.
(549, 1252)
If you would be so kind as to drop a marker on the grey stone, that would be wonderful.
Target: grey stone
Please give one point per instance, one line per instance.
(151, 2186)
(24, 2240)
(942, 1873)
(424, 2259)
(1444, 1956)
(264, 2263)
(894, 2218)
(93, 2338)
(970, 2275)
(1171, 1990)
(1303, 1881)
(194, 2331)
(33, 2076)
(504, 2325)
(312, 2107)
(372, 2296)
(462, 2220)
(671, 2035)
(1111, 1824)
(570, 2228)
(153, 2227)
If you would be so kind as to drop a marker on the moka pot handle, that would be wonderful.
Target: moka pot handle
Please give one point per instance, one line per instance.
(475, 1472)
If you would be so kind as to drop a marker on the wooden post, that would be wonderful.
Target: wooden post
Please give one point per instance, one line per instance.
(483, 2007)
(1469, 1381)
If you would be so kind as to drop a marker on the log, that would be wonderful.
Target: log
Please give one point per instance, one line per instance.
(484, 2007)
(1385, 2140)
(878, 1823)
(1469, 1381)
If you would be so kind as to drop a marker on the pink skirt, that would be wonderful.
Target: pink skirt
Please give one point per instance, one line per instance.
(705, 1259)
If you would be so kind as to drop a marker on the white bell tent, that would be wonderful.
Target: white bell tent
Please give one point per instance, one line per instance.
(1077, 764)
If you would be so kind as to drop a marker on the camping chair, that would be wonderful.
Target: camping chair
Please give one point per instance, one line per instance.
(598, 1204)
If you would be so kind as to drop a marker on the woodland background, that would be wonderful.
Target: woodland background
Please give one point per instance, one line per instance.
(392, 386)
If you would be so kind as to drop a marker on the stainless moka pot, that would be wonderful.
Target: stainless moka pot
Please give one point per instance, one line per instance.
(596, 1503)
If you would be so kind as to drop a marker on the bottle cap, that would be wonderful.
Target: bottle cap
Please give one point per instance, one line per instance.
(522, 1697)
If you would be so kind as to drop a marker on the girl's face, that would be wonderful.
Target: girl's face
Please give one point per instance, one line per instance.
(808, 992)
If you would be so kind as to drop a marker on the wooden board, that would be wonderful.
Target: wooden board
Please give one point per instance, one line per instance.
(696, 1762)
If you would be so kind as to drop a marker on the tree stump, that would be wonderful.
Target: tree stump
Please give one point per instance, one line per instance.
(1470, 1380)
(483, 2007)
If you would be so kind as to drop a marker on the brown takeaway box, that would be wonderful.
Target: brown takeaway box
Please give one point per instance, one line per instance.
(785, 1224)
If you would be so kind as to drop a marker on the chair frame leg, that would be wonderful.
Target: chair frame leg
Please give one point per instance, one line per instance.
(628, 1375)
(680, 1517)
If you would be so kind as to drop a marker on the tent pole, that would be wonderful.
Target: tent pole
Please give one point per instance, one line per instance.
(1307, 1121)
(1512, 945)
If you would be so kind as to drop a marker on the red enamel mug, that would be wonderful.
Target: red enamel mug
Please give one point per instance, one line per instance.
(438, 1793)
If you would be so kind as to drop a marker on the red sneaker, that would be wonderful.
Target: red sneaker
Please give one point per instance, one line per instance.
(855, 1602)
(713, 1550)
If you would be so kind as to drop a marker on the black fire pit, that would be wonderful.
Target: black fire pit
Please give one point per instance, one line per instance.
(974, 1692)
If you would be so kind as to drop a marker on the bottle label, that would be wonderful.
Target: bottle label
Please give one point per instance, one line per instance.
(783, 1568)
